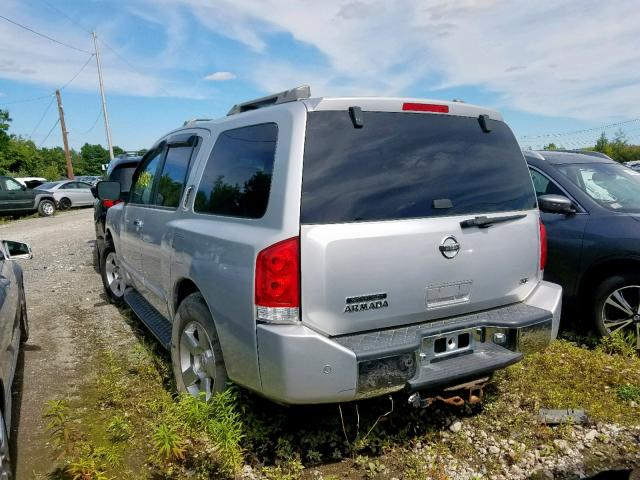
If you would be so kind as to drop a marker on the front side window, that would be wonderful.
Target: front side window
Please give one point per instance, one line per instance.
(612, 185)
(543, 186)
(173, 176)
(143, 186)
(237, 178)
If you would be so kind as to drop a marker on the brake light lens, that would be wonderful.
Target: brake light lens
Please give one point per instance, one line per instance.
(425, 107)
(110, 203)
(277, 288)
(543, 246)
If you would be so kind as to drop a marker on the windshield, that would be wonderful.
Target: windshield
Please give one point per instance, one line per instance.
(47, 186)
(613, 186)
(409, 165)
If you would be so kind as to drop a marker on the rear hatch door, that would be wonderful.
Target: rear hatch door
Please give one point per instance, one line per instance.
(396, 219)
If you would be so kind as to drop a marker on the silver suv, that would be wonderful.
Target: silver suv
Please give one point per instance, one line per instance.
(329, 249)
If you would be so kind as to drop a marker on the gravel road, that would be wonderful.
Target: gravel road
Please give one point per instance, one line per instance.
(67, 313)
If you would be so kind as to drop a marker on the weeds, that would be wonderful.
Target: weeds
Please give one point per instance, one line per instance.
(168, 443)
(134, 395)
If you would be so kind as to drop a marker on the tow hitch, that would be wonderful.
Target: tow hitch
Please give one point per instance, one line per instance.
(458, 395)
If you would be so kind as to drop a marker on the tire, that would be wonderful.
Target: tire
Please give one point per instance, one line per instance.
(46, 208)
(112, 279)
(24, 320)
(64, 204)
(5, 459)
(617, 304)
(196, 355)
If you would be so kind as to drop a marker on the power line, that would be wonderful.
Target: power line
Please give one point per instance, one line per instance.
(42, 117)
(92, 126)
(129, 64)
(79, 72)
(575, 132)
(45, 138)
(44, 36)
(53, 7)
(26, 100)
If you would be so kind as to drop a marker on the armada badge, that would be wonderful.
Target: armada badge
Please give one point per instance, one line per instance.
(366, 302)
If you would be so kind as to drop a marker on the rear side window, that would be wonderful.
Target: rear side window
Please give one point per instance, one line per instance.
(172, 178)
(237, 178)
(408, 165)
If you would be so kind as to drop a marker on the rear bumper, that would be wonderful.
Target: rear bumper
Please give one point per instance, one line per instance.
(300, 366)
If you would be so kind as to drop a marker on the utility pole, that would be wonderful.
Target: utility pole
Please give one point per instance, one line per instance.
(65, 142)
(104, 100)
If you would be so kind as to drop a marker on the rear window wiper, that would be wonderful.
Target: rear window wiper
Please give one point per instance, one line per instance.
(484, 222)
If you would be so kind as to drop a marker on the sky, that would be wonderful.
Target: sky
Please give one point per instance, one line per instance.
(561, 71)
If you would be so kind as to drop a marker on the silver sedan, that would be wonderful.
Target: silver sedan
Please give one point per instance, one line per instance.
(69, 193)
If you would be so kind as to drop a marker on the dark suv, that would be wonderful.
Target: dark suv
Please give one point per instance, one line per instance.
(120, 170)
(16, 199)
(591, 209)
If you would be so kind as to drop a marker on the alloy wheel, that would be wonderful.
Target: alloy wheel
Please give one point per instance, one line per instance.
(5, 462)
(114, 277)
(197, 360)
(621, 311)
(47, 208)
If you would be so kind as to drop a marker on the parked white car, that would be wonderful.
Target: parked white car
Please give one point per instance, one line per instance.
(69, 193)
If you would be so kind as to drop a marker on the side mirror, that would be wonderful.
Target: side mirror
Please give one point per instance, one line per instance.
(15, 250)
(556, 204)
(108, 190)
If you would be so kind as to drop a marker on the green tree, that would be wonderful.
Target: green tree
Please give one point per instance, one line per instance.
(550, 146)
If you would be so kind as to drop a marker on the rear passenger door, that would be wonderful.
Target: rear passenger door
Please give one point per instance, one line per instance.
(157, 231)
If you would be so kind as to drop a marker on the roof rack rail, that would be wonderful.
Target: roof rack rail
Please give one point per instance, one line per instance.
(194, 120)
(299, 93)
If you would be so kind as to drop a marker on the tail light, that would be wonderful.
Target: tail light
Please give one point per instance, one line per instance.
(277, 289)
(110, 203)
(425, 107)
(543, 246)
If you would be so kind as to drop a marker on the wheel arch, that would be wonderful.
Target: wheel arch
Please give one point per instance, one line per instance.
(600, 271)
(182, 289)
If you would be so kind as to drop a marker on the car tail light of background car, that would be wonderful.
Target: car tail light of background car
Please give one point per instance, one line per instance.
(277, 285)
(543, 246)
(110, 203)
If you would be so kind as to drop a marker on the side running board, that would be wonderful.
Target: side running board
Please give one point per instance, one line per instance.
(154, 320)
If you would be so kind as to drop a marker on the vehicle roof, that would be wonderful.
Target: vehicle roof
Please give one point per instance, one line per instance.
(563, 158)
(377, 104)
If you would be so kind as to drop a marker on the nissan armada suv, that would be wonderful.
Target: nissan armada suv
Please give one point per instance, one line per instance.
(322, 250)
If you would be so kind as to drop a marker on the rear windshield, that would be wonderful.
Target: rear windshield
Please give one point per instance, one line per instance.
(124, 175)
(407, 165)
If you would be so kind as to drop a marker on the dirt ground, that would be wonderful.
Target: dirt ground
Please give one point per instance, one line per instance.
(67, 309)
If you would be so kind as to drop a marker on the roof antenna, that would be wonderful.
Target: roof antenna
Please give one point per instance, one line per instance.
(356, 117)
(484, 122)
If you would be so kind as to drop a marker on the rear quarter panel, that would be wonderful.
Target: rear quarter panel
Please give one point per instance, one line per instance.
(218, 253)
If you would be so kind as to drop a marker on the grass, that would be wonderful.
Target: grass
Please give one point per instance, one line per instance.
(129, 420)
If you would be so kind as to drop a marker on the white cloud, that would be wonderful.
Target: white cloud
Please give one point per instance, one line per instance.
(220, 76)
(572, 58)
